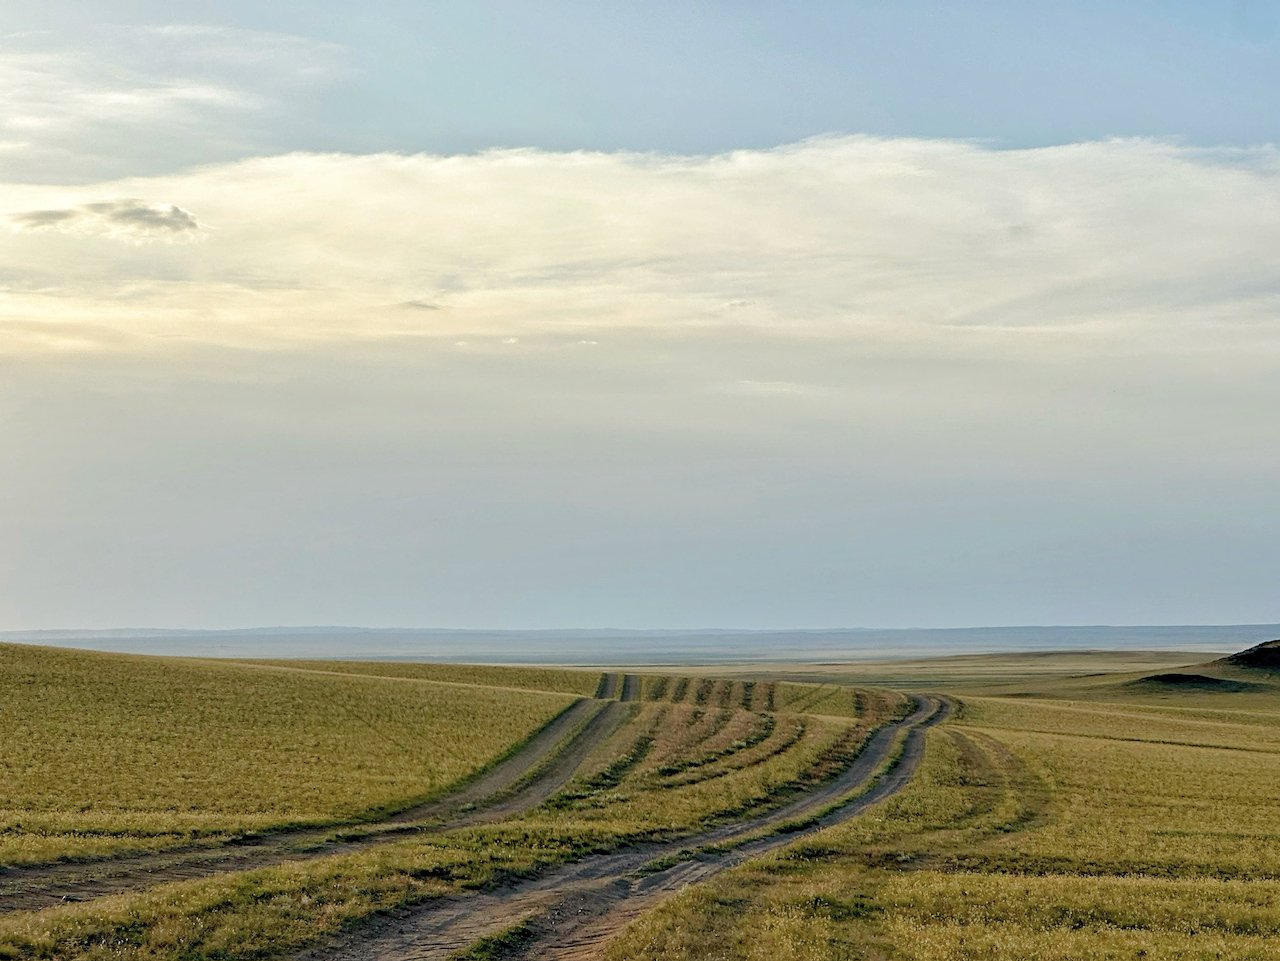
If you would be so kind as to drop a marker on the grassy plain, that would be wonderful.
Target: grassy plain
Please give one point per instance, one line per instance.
(1041, 672)
(104, 753)
(1073, 808)
(669, 770)
(1087, 817)
(567, 680)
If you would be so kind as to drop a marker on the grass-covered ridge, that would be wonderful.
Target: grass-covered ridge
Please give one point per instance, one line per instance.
(104, 752)
(562, 679)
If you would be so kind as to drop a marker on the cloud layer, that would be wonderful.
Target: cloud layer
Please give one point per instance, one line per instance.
(849, 381)
(856, 237)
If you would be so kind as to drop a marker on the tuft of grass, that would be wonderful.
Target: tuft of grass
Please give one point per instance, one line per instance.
(496, 947)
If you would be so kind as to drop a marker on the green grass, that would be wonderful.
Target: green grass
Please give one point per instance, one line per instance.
(1067, 812)
(496, 947)
(101, 753)
(565, 680)
(1111, 822)
(625, 795)
(1003, 674)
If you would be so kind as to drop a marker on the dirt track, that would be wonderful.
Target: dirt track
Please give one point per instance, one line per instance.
(571, 912)
(522, 781)
(630, 687)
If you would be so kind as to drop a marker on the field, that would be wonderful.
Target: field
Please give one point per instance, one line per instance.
(567, 680)
(1081, 806)
(1120, 824)
(105, 753)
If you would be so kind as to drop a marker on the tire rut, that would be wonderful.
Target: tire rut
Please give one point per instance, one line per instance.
(521, 781)
(570, 912)
(630, 688)
(578, 928)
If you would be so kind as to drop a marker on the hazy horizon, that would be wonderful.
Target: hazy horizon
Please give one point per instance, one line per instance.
(598, 629)
(652, 647)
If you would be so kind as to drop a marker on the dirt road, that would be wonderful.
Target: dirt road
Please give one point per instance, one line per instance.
(571, 912)
(530, 775)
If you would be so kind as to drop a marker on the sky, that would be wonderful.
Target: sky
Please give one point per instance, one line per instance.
(704, 314)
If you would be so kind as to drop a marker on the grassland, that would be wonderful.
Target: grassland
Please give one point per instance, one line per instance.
(1098, 818)
(670, 770)
(106, 753)
(1078, 806)
(816, 696)
(988, 674)
(582, 682)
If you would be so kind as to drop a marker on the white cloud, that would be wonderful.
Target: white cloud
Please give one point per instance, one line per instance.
(135, 96)
(1123, 245)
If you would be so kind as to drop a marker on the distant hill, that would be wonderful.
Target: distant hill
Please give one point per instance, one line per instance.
(1264, 656)
(1193, 682)
(1231, 674)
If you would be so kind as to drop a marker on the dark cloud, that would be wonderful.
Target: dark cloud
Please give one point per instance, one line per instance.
(137, 213)
(130, 218)
(43, 218)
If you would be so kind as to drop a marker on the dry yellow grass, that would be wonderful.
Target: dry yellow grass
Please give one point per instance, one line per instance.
(1126, 826)
(1092, 819)
(104, 752)
(273, 911)
(567, 680)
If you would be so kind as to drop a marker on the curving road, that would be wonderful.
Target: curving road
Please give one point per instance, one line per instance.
(570, 912)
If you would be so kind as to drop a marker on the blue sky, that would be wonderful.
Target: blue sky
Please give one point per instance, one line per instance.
(641, 315)
(446, 77)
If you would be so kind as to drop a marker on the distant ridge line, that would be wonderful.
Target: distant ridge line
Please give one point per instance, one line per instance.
(323, 629)
(631, 647)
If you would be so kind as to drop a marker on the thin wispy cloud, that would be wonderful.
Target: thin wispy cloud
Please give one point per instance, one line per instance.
(939, 243)
(141, 96)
